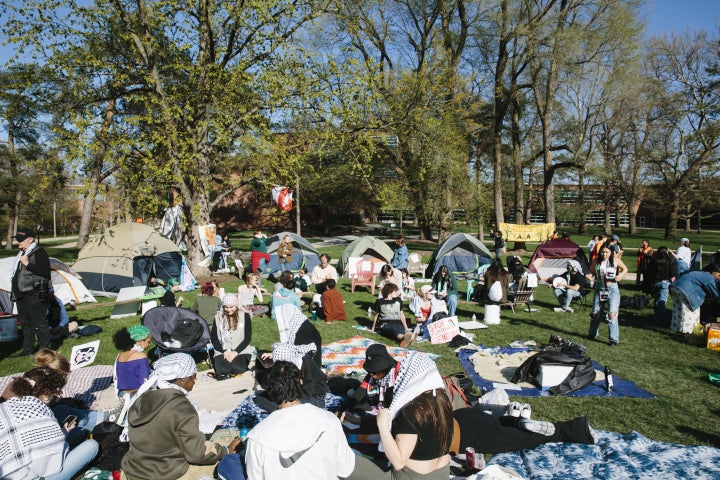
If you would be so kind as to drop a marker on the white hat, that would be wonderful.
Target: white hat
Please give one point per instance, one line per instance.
(426, 288)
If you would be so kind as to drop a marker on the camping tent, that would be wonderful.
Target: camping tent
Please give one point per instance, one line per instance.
(550, 258)
(127, 255)
(66, 283)
(368, 248)
(462, 253)
(304, 254)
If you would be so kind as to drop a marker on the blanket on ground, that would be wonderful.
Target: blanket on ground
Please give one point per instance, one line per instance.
(615, 456)
(84, 384)
(347, 356)
(498, 365)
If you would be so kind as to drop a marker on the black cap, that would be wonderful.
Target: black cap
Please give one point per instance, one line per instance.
(377, 359)
(24, 233)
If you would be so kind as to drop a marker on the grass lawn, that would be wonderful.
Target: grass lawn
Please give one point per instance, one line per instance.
(651, 355)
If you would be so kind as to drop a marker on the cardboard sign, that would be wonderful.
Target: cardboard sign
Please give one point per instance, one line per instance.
(443, 330)
(83, 355)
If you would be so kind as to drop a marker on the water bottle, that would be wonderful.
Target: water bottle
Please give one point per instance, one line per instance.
(369, 313)
(474, 318)
(243, 433)
(608, 379)
(314, 315)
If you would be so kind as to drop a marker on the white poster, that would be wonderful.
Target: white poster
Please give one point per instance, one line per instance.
(83, 355)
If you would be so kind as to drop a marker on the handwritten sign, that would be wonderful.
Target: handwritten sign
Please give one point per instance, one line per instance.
(443, 330)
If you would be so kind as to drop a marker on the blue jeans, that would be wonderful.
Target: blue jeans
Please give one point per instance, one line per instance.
(598, 312)
(660, 294)
(86, 419)
(452, 301)
(565, 296)
(76, 459)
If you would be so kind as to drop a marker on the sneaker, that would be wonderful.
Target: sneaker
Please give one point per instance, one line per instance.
(569, 309)
(113, 414)
(559, 309)
(525, 411)
(406, 340)
(514, 409)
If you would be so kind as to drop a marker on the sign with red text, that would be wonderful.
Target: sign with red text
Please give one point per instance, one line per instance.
(443, 330)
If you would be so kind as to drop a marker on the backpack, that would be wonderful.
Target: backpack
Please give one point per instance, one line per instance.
(583, 372)
(112, 449)
(454, 389)
(187, 331)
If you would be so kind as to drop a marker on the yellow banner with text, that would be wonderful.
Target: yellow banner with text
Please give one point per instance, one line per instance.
(527, 233)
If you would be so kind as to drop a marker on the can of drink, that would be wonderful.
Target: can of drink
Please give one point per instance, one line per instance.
(243, 433)
(470, 458)
(314, 315)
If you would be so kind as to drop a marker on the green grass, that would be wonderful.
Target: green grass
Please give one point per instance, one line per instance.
(651, 355)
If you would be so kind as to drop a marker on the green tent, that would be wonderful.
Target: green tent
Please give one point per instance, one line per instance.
(368, 247)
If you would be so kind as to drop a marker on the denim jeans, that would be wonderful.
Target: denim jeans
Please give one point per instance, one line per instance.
(565, 296)
(76, 459)
(598, 312)
(452, 301)
(660, 294)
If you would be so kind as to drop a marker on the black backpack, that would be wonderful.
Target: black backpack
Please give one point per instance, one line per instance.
(187, 331)
(582, 374)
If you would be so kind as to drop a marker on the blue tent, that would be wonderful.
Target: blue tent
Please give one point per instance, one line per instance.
(462, 253)
(304, 254)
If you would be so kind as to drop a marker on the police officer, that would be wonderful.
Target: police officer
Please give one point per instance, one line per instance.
(31, 290)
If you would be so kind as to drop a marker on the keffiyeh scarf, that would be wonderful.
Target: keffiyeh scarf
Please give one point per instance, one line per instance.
(418, 373)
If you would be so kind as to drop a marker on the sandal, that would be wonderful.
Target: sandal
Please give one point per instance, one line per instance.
(211, 374)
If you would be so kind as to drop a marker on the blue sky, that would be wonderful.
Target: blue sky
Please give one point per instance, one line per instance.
(663, 16)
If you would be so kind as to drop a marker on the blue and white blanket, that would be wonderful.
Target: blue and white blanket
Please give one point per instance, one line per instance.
(614, 457)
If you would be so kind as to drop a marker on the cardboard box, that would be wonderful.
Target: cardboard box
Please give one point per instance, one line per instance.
(713, 336)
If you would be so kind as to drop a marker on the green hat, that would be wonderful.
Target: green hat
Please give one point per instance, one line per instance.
(173, 282)
(139, 332)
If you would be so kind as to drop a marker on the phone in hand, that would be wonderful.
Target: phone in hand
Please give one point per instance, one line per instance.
(69, 420)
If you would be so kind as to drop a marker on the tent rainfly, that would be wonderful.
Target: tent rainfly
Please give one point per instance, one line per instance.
(127, 255)
(551, 258)
(369, 248)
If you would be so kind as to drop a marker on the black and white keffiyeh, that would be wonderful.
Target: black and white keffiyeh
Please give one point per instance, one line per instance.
(418, 373)
(287, 352)
(29, 434)
(289, 319)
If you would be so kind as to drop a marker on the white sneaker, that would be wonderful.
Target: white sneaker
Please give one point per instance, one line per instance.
(569, 310)
(559, 309)
(525, 411)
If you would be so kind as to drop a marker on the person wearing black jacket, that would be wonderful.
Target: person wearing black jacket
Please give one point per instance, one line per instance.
(31, 291)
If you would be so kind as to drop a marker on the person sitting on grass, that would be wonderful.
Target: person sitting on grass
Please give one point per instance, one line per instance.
(131, 364)
(567, 286)
(333, 305)
(425, 307)
(207, 304)
(322, 273)
(231, 335)
(168, 299)
(34, 444)
(302, 281)
(388, 310)
(249, 292)
(285, 294)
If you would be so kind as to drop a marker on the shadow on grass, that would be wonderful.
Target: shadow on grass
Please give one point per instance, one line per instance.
(704, 437)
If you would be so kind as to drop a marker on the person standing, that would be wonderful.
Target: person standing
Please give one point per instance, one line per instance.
(643, 258)
(31, 291)
(258, 251)
(285, 253)
(498, 244)
(400, 255)
(606, 271)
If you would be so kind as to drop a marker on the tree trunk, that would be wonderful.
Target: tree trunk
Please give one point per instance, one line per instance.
(518, 167)
(672, 219)
(86, 214)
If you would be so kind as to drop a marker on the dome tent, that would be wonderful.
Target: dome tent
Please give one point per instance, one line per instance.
(551, 258)
(304, 254)
(367, 247)
(462, 253)
(127, 255)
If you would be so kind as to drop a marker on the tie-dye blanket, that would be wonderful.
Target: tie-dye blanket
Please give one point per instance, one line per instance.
(615, 456)
(85, 384)
(347, 356)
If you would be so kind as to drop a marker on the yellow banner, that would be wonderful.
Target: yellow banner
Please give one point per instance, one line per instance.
(527, 233)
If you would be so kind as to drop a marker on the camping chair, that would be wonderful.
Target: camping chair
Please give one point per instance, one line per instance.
(364, 275)
(162, 320)
(415, 265)
(585, 291)
(523, 296)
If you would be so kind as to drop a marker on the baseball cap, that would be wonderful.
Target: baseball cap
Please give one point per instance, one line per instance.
(426, 289)
(24, 233)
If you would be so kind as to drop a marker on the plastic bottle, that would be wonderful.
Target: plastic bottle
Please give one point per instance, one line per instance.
(474, 318)
(608, 379)
(369, 313)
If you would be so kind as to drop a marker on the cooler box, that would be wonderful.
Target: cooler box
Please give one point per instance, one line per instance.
(8, 328)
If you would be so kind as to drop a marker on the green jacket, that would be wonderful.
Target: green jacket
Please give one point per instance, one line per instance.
(165, 437)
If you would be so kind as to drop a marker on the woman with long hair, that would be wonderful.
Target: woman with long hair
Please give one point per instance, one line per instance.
(445, 284)
(231, 335)
(416, 430)
(606, 271)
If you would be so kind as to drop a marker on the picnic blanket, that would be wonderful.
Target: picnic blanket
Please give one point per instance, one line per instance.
(85, 384)
(347, 356)
(615, 456)
(498, 365)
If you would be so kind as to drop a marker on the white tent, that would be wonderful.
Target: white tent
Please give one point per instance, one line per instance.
(67, 284)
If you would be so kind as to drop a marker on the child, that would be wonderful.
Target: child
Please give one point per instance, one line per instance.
(302, 281)
(388, 310)
(333, 306)
(247, 294)
(408, 285)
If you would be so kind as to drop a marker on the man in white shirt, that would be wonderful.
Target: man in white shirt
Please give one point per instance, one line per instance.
(322, 273)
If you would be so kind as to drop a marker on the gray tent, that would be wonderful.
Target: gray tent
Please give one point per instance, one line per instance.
(304, 254)
(127, 255)
(462, 253)
(367, 247)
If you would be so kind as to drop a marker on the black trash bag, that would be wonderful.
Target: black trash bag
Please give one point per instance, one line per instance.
(582, 374)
